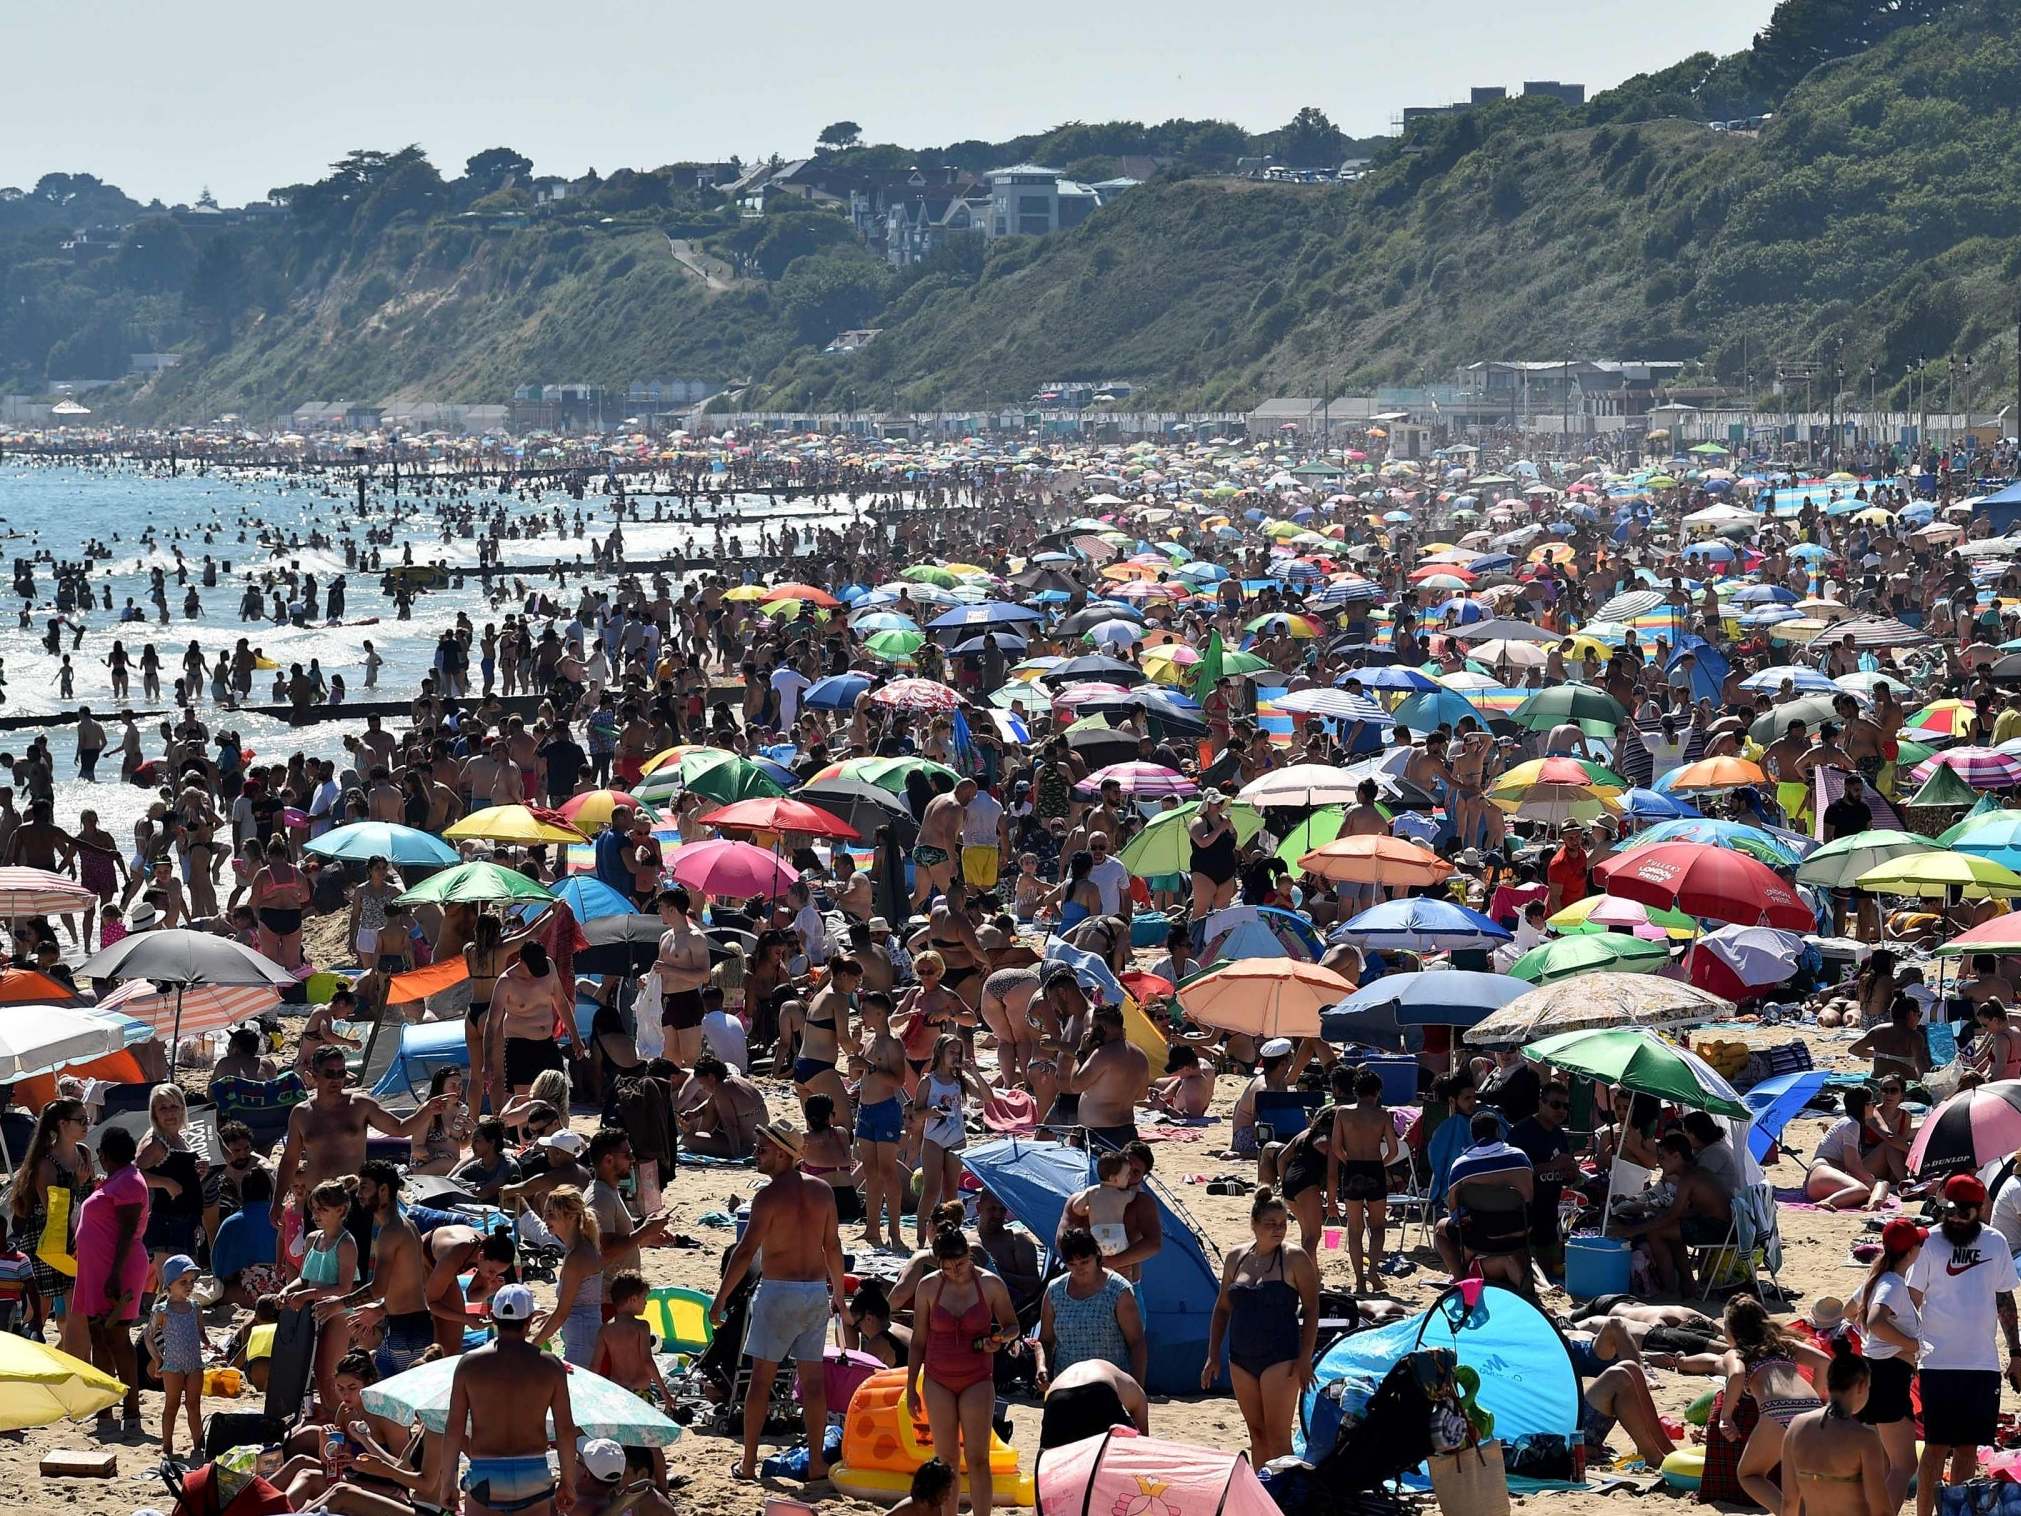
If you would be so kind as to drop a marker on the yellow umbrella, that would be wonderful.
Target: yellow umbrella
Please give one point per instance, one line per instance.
(747, 592)
(1936, 874)
(40, 1384)
(515, 824)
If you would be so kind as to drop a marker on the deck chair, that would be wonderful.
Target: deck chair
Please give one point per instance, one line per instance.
(262, 1104)
(1753, 1244)
(1415, 1205)
(1495, 1224)
(1285, 1112)
(679, 1319)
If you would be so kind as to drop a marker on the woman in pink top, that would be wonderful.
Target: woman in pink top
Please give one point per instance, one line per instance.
(112, 1264)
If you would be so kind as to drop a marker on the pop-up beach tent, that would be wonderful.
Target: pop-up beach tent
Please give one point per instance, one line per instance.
(1525, 1367)
(1119, 1473)
(1176, 1294)
(426, 1046)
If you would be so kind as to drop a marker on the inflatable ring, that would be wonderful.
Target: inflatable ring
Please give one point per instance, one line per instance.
(1684, 1469)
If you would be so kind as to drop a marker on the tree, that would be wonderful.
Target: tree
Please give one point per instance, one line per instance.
(1310, 140)
(840, 135)
(490, 169)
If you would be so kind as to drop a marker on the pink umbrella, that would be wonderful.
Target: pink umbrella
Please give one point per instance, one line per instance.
(1968, 1131)
(736, 870)
(1119, 1473)
(34, 892)
(1153, 781)
(916, 695)
(1076, 695)
(205, 1007)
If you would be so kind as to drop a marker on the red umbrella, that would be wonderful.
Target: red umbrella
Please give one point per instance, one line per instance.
(1707, 881)
(776, 813)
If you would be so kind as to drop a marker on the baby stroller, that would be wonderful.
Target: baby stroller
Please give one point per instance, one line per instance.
(1351, 1459)
(721, 1377)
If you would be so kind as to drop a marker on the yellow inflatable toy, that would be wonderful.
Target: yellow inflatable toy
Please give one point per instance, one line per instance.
(882, 1448)
(1685, 1468)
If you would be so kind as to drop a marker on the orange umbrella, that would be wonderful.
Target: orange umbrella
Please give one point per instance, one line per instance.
(590, 811)
(18, 985)
(1716, 774)
(1375, 860)
(807, 592)
(1264, 997)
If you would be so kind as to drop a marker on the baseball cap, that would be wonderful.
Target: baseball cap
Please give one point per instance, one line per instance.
(1964, 1190)
(175, 1266)
(513, 1302)
(1276, 1047)
(563, 1141)
(604, 1459)
(1901, 1234)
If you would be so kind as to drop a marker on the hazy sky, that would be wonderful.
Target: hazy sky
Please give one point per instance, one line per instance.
(163, 99)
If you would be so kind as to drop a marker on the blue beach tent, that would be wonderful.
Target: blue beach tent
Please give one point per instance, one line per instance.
(1527, 1378)
(426, 1046)
(1176, 1295)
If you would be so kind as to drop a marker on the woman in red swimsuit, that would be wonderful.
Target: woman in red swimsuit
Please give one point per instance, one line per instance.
(967, 1315)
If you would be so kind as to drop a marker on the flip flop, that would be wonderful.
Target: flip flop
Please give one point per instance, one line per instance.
(737, 1474)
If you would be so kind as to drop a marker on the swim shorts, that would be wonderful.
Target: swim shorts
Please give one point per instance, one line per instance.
(789, 1319)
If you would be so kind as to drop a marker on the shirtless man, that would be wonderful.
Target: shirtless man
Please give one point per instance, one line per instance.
(384, 800)
(721, 1111)
(683, 967)
(450, 1252)
(527, 1003)
(1110, 1075)
(1782, 761)
(793, 1237)
(1861, 738)
(500, 1399)
(938, 849)
(39, 843)
(396, 1294)
(326, 1132)
(1358, 1156)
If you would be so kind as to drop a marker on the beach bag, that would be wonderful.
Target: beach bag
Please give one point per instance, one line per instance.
(54, 1248)
(1471, 1481)
(650, 1036)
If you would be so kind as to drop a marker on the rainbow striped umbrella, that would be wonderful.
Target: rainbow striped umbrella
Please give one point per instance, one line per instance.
(1984, 768)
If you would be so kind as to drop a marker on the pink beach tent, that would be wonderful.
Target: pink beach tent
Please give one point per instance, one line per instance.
(1121, 1473)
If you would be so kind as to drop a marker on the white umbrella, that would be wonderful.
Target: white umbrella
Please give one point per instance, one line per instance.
(1758, 955)
(1301, 784)
(37, 1038)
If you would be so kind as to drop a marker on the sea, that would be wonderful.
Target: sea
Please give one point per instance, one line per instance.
(142, 517)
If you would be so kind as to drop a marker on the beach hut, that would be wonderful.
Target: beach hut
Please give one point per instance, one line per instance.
(1180, 1282)
(1120, 1473)
(1527, 1381)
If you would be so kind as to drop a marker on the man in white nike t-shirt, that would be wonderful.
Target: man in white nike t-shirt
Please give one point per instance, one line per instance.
(1964, 1274)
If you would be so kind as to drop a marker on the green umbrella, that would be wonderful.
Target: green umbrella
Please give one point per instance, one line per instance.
(1316, 830)
(1595, 712)
(927, 573)
(895, 645)
(1944, 787)
(475, 883)
(1636, 1058)
(722, 777)
(1164, 846)
(1548, 962)
(886, 773)
(1837, 864)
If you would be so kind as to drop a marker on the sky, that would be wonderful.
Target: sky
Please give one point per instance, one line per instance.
(166, 99)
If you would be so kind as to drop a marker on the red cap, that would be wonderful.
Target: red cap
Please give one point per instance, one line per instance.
(1964, 1189)
(1901, 1234)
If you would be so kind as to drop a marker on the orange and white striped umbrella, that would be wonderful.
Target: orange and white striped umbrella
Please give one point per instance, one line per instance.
(205, 1007)
(35, 892)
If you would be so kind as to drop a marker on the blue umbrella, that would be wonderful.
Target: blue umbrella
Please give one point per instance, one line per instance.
(404, 846)
(1773, 848)
(987, 613)
(1435, 708)
(1763, 594)
(1648, 805)
(1394, 677)
(1434, 997)
(589, 897)
(1419, 926)
(837, 692)
(1774, 1101)
(1714, 552)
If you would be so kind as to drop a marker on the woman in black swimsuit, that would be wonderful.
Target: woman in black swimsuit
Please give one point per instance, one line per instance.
(1214, 862)
(279, 894)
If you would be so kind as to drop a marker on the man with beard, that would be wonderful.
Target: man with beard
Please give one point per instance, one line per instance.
(1963, 1274)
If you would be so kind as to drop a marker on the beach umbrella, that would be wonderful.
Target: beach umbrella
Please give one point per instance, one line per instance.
(1431, 709)
(37, 892)
(402, 846)
(861, 805)
(517, 825)
(626, 945)
(812, 594)
(1376, 860)
(22, 986)
(1426, 925)
(916, 695)
(1757, 842)
(895, 646)
(179, 958)
(1315, 831)
(715, 775)
(1940, 874)
(475, 883)
(836, 692)
(1559, 770)
(1713, 774)
(1556, 804)
(1600, 1000)
(1651, 805)
(1341, 705)
(191, 1008)
(1502, 629)
(40, 1384)
(1138, 780)
(1705, 881)
(1773, 679)
(736, 870)
(1983, 768)
(1434, 997)
(596, 1406)
(1301, 785)
(1594, 712)
(1101, 745)
(590, 811)
(1809, 709)
(1735, 962)
(1165, 846)
(1563, 957)
(1093, 668)
(1603, 913)
(1635, 1058)
(1080, 622)
(1970, 1130)
(774, 813)
(1263, 997)
(36, 1038)
(989, 613)
(883, 773)
(1256, 931)
(1838, 864)
(1775, 1101)
(590, 899)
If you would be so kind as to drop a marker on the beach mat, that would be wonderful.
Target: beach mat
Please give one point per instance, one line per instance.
(1793, 1200)
(689, 1160)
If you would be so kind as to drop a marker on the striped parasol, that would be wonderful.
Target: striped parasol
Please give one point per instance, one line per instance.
(1983, 768)
(36, 892)
(205, 1007)
(916, 695)
(1151, 781)
(1973, 1128)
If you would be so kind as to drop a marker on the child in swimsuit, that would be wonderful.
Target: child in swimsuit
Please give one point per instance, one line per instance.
(624, 1352)
(1109, 1202)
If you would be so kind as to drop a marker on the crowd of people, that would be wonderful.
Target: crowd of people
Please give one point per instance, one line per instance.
(952, 750)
